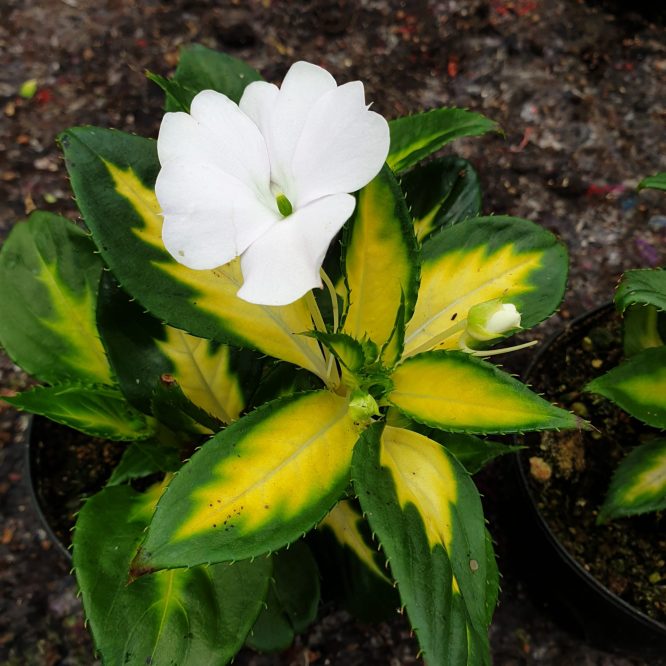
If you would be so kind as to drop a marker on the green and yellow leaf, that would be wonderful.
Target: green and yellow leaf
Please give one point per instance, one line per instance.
(344, 522)
(441, 193)
(641, 329)
(639, 483)
(415, 137)
(645, 286)
(256, 486)
(457, 392)
(638, 386)
(49, 274)
(144, 353)
(479, 260)
(186, 617)
(113, 175)
(427, 514)
(100, 411)
(380, 261)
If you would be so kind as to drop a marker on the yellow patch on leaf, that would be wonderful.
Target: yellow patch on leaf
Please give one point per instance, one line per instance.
(271, 329)
(458, 280)
(423, 477)
(278, 467)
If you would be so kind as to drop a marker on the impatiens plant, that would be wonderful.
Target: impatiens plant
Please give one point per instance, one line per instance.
(282, 420)
(638, 385)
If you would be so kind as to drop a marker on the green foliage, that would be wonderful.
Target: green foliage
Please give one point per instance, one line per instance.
(159, 355)
(96, 410)
(639, 483)
(441, 193)
(414, 138)
(292, 600)
(188, 617)
(656, 182)
(638, 385)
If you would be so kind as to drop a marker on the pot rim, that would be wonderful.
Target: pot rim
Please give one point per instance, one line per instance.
(29, 467)
(563, 553)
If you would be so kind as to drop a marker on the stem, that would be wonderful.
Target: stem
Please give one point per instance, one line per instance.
(331, 379)
(433, 342)
(495, 352)
(334, 298)
(315, 313)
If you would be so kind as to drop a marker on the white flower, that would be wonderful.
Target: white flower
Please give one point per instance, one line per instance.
(267, 180)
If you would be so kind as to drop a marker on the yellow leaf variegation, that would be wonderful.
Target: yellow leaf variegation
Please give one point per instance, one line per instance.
(49, 274)
(344, 521)
(423, 476)
(479, 260)
(427, 514)
(255, 486)
(203, 372)
(127, 229)
(380, 261)
(460, 393)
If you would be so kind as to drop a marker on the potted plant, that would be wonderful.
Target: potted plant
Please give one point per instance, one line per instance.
(187, 321)
(597, 497)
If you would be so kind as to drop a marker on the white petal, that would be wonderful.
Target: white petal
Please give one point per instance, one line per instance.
(284, 263)
(303, 85)
(209, 216)
(258, 102)
(342, 146)
(219, 133)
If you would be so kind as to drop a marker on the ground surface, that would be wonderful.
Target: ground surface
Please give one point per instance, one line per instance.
(578, 87)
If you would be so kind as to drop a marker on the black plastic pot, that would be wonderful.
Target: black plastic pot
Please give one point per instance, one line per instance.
(605, 619)
(64, 466)
(34, 468)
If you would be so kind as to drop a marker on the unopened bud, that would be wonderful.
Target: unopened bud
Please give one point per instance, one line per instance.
(492, 319)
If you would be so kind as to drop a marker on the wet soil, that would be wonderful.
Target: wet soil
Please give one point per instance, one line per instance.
(570, 472)
(580, 90)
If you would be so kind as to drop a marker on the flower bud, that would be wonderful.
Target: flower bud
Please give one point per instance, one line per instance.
(492, 319)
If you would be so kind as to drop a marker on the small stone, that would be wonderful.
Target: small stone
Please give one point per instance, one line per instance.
(540, 469)
(597, 363)
(655, 577)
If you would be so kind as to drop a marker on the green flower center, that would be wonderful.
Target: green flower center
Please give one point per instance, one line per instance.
(284, 205)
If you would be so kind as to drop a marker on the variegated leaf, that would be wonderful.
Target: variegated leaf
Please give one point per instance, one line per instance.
(457, 392)
(113, 175)
(427, 515)
(256, 486)
(479, 260)
(49, 274)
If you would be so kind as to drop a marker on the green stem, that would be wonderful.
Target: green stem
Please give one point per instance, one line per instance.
(438, 339)
(334, 298)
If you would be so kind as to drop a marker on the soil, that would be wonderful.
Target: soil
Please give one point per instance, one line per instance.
(580, 90)
(570, 471)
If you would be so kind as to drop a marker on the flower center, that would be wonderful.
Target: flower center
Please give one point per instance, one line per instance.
(284, 205)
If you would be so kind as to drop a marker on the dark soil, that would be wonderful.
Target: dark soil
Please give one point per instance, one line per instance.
(570, 471)
(580, 90)
(65, 467)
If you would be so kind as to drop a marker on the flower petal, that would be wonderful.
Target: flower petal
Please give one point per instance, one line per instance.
(282, 125)
(258, 102)
(284, 263)
(219, 133)
(342, 147)
(209, 216)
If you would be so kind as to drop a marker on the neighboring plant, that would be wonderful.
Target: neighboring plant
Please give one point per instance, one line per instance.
(359, 409)
(638, 385)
